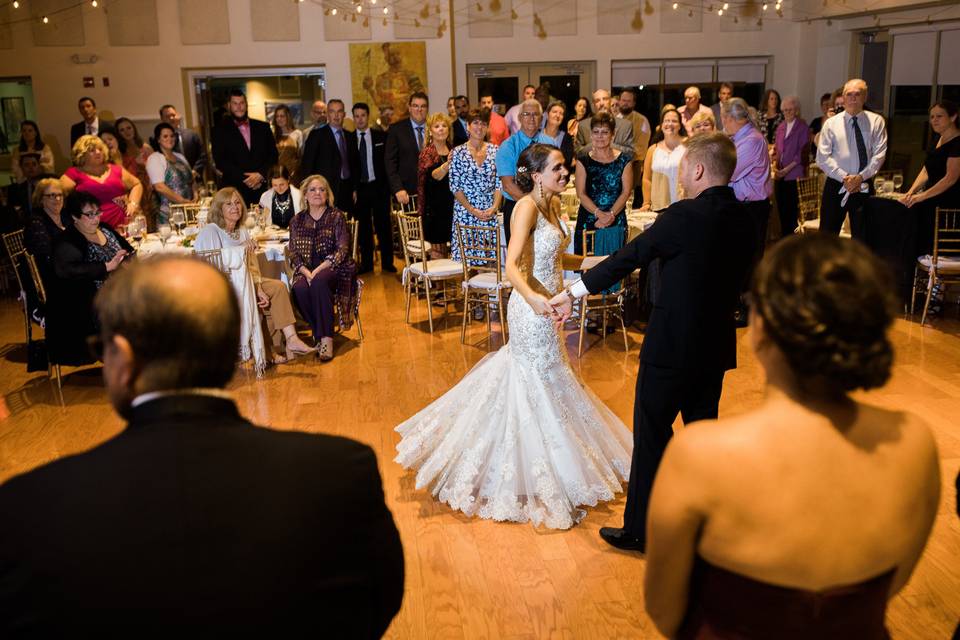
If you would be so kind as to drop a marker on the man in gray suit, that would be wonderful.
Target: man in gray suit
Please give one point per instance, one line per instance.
(622, 137)
(188, 141)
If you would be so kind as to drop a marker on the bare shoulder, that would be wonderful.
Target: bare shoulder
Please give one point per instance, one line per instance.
(902, 430)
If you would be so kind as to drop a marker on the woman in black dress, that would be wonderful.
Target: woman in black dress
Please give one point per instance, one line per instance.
(434, 199)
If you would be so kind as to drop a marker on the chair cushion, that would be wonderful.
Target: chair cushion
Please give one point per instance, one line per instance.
(944, 265)
(443, 268)
(413, 246)
(487, 280)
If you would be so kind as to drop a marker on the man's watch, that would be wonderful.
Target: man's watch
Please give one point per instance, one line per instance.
(570, 295)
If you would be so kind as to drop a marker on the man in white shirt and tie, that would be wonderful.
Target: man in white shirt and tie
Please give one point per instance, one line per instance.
(852, 148)
(91, 125)
(372, 210)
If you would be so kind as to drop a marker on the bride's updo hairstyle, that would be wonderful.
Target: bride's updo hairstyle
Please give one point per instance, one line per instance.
(827, 304)
(532, 160)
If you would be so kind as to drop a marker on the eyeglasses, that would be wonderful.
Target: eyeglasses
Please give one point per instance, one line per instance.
(600, 132)
(91, 214)
(529, 114)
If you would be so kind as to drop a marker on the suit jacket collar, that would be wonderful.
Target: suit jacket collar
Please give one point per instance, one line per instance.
(722, 191)
(170, 408)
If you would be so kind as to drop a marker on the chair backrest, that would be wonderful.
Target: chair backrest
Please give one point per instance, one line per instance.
(35, 276)
(353, 226)
(479, 250)
(946, 234)
(411, 237)
(13, 242)
(569, 204)
(213, 256)
(589, 237)
(410, 207)
(808, 193)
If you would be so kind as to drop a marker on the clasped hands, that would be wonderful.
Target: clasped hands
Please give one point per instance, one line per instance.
(310, 275)
(559, 307)
(852, 182)
(604, 219)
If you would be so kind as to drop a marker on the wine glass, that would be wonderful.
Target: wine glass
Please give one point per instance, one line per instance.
(178, 220)
(164, 232)
(897, 181)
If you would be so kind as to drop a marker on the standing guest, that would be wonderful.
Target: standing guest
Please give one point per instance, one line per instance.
(508, 154)
(474, 181)
(581, 111)
(318, 113)
(331, 151)
(243, 150)
(725, 93)
(622, 137)
(188, 144)
(661, 166)
(372, 209)
(512, 117)
(459, 122)
(604, 182)
(43, 228)
(31, 142)
(691, 107)
(852, 148)
(452, 108)
(792, 145)
(20, 195)
(615, 105)
(825, 555)
(281, 201)
(405, 140)
(939, 179)
(641, 136)
(91, 125)
(223, 230)
(703, 123)
(434, 200)
(770, 115)
(324, 274)
(289, 140)
(169, 173)
(84, 256)
(498, 131)
(826, 103)
(706, 245)
(554, 134)
(176, 506)
(110, 138)
(751, 178)
(134, 153)
(117, 190)
(385, 119)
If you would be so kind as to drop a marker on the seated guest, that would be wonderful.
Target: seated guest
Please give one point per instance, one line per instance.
(703, 123)
(169, 172)
(116, 189)
(325, 274)
(109, 137)
(554, 134)
(225, 229)
(604, 182)
(193, 518)
(31, 142)
(815, 504)
(792, 146)
(84, 256)
(135, 152)
(474, 181)
(45, 225)
(434, 200)
(281, 201)
(662, 165)
(769, 115)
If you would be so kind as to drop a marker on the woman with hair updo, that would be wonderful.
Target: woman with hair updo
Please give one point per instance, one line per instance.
(815, 503)
(521, 438)
(434, 198)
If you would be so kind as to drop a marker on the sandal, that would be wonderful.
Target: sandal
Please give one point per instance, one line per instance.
(294, 352)
(325, 351)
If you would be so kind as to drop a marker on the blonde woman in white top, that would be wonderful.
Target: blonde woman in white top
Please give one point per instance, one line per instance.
(662, 164)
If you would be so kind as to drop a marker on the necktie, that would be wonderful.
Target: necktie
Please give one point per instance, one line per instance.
(89, 129)
(364, 172)
(344, 163)
(861, 146)
(420, 138)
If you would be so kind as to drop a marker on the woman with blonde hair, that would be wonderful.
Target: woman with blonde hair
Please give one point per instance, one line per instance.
(117, 190)
(434, 198)
(224, 230)
(702, 122)
(289, 139)
(324, 273)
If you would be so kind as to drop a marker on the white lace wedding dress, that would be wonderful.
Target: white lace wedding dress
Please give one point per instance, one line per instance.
(520, 437)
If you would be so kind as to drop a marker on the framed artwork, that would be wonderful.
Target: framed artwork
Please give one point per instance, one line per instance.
(296, 110)
(14, 112)
(386, 73)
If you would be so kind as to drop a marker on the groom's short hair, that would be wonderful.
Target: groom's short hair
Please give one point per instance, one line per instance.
(715, 151)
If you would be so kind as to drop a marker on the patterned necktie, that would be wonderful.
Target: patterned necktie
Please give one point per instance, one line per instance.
(364, 172)
(420, 138)
(861, 146)
(344, 164)
(89, 129)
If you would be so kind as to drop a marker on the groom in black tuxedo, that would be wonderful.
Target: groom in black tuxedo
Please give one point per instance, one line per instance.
(706, 245)
(193, 521)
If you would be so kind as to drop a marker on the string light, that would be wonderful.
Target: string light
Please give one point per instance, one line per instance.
(46, 20)
(726, 5)
(675, 6)
(386, 10)
(16, 5)
(333, 11)
(93, 3)
(359, 8)
(764, 6)
(720, 13)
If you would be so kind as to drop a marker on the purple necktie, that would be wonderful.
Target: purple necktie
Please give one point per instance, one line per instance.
(344, 164)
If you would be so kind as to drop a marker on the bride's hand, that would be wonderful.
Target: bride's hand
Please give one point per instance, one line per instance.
(541, 306)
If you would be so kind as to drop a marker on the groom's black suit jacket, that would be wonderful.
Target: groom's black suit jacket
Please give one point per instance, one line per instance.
(193, 521)
(706, 245)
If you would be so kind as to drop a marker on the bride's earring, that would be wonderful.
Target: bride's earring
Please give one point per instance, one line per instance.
(539, 190)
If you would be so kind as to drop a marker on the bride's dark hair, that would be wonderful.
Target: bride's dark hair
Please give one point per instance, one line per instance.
(533, 159)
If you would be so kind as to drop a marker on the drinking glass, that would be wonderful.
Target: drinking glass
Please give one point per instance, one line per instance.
(164, 232)
(879, 185)
(897, 181)
(178, 219)
(888, 186)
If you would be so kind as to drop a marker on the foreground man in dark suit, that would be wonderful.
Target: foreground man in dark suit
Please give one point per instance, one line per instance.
(193, 521)
(706, 244)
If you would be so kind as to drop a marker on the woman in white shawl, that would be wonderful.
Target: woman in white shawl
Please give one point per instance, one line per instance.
(224, 231)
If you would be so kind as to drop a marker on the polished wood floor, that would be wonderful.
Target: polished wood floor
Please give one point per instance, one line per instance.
(475, 579)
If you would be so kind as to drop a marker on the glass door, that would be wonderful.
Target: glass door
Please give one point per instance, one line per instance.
(567, 81)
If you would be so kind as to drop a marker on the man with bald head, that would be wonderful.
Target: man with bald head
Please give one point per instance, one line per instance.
(192, 517)
(850, 151)
(691, 107)
(622, 137)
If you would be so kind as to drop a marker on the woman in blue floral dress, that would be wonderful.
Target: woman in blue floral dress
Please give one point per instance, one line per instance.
(473, 180)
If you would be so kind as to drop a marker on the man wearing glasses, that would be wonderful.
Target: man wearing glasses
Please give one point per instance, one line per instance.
(405, 139)
(509, 152)
(622, 137)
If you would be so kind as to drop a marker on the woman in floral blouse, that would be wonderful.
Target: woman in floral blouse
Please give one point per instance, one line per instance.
(473, 179)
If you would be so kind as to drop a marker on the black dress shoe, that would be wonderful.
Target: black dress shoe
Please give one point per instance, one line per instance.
(388, 268)
(620, 539)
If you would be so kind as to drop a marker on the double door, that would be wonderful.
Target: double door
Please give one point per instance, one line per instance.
(567, 81)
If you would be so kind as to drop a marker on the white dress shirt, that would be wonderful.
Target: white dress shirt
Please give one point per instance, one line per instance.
(837, 150)
(93, 129)
(368, 160)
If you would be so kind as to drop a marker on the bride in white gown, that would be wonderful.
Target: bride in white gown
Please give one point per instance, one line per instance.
(520, 437)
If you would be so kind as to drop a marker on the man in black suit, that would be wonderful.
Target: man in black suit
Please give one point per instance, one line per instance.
(188, 141)
(372, 210)
(460, 133)
(193, 520)
(243, 150)
(331, 151)
(706, 245)
(20, 194)
(91, 125)
(405, 139)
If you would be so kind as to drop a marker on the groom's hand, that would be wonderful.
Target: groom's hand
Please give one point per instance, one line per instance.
(562, 304)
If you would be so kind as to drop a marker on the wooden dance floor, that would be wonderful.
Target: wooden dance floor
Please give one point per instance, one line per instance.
(470, 578)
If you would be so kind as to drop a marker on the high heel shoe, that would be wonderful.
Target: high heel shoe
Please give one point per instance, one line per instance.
(325, 351)
(293, 352)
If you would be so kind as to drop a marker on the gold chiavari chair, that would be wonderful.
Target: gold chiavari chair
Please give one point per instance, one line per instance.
(808, 207)
(421, 272)
(395, 210)
(13, 242)
(212, 256)
(942, 267)
(53, 369)
(483, 283)
(190, 211)
(602, 304)
(354, 226)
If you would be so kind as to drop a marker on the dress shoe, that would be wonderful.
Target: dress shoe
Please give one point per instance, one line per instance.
(389, 268)
(620, 539)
